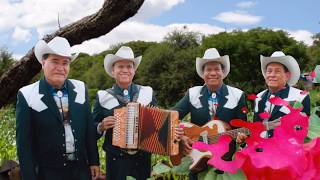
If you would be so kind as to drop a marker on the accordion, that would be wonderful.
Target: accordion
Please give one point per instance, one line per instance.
(147, 128)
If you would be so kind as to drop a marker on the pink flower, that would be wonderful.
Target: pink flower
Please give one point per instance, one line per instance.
(264, 115)
(218, 150)
(251, 97)
(244, 109)
(313, 74)
(181, 125)
(278, 101)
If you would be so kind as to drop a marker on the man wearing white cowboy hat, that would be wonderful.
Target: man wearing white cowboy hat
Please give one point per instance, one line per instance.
(55, 131)
(122, 66)
(213, 100)
(280, 72)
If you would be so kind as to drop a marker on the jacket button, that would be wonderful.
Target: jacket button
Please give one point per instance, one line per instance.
(63, 145)
(64, 164)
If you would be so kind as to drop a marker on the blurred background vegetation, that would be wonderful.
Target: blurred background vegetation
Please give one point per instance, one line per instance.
(169, 67)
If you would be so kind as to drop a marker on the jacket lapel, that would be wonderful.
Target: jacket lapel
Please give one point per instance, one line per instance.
(262, 102)
(71, 99)
(204, 100)
(222, 100)
(283, 95)
(48, 99)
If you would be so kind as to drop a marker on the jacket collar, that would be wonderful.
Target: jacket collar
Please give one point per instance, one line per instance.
(133, 89)
(222, 100)
(45, 88)
(283, 94)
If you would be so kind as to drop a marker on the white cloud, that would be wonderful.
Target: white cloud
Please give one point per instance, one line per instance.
(246, 4)
(43, 15)
(302, 35)
(151, 8)
(238, 17)
(17, 57)
(134, 30)
(21, 34)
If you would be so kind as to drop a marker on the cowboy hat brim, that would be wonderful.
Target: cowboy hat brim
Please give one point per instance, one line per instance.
(224, 60)
(287, 61)
(110, 59)
(42, 48)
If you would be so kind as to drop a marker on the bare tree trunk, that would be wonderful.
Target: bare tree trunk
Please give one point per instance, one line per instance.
(112, 13)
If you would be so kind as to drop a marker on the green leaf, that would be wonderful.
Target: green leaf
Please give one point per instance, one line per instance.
(317, 78)
(183, 167)
(211, 174)
(130, 178)
(160, 168)
(314, 126)
(297, 104)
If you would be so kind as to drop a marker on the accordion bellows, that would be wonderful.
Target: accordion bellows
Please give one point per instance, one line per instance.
(147, 128)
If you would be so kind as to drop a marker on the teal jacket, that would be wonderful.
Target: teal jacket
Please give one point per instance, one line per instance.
(231, 105)
(289, 94)
(40, 131)
(106, 103)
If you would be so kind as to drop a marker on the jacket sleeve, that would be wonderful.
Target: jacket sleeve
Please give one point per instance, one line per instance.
(306, 105)
(91, 143)
(183, 106)
(242, 108)
(24, 138)
(97, 115)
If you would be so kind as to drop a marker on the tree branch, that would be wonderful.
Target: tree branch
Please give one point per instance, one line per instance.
(112, 13)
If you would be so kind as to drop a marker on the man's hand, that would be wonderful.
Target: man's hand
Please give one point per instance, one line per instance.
(187, 144)
(95, 172)
(107, 123)
(241, 137)
(178, 134)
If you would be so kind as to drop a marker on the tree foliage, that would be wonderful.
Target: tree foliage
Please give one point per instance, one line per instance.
(7, 134)
(6, 60)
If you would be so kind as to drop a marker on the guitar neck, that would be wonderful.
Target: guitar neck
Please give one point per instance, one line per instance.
(233, 133)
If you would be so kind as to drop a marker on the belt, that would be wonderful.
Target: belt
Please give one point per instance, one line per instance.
(129, 151)
(70, 156)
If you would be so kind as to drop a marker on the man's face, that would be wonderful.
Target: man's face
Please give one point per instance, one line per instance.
(123, 72)
(213, 74)
(276, 76)
(56, 69)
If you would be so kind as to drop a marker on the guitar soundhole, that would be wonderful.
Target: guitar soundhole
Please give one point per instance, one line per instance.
(298, 127)
(259, 149)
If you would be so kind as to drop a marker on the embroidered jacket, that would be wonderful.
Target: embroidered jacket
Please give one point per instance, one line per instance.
(289, 94)
(231, 105)
(40, 131)
(107, 102)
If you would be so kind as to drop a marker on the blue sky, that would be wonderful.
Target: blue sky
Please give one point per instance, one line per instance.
(286, 14)
(23, 22)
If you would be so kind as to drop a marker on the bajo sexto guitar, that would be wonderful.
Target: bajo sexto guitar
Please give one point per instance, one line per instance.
(208, 133)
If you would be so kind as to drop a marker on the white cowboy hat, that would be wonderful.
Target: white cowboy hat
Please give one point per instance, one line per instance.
(124, 53)
(58, 45)
(287, 61)
(212, 55)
